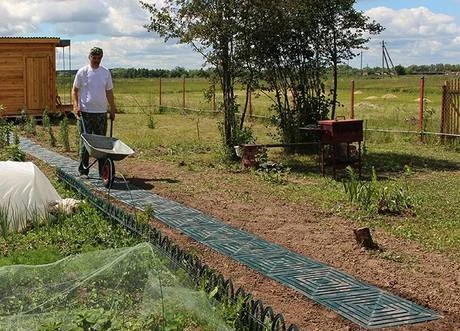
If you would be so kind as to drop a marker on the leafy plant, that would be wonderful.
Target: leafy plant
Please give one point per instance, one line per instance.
(373, 196)
(15, 136)
(64, 134)
(145, 216)
(12, 153)
(52, 138)
(31, 125)
(272, 172)
(5, 132)
(46, 122)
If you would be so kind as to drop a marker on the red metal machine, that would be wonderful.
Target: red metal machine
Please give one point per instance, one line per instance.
(339, 134)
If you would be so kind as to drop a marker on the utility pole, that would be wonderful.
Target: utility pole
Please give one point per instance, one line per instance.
(383, 57)
(386, 59)
(361, 62)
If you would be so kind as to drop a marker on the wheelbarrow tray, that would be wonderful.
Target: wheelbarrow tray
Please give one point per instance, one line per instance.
(101, 147)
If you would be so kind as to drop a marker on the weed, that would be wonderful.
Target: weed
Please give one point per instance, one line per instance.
(149, 113)
(31, 125)
(275, 173)
(64, 134)
(145, 216)
(15, 136)
(46, 122)
(5, 133)
(52, 139)
(373, 196)
(12, 153)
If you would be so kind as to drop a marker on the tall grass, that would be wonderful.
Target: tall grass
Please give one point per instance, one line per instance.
(435, 221)
(384, 102)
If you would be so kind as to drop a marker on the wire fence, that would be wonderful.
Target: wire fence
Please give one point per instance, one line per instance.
(385, 113)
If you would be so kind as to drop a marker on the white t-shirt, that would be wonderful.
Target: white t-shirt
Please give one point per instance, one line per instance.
(92, 85)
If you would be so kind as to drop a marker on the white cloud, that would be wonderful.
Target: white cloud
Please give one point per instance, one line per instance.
(134, 52)
(74, 17)
(413, 22)
(114, 25)
(414, 36)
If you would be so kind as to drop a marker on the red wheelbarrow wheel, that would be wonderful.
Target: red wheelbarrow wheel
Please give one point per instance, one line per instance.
(108, 173)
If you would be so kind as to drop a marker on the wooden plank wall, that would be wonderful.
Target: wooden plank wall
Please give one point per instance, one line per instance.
(27, 77)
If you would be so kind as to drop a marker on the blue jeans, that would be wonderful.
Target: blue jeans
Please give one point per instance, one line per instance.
(94, 123)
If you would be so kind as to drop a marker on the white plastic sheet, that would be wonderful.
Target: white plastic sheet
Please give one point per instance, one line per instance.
(25, 193)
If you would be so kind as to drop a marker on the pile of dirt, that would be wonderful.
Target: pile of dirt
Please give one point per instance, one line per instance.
(389, 96)
(363, 105)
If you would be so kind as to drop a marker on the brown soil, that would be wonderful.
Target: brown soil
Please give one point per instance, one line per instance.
(402, 267)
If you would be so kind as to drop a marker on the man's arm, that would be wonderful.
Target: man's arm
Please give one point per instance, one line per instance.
(111, 100)
(75, 102)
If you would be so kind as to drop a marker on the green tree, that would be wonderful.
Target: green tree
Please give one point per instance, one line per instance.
(292, 44)
(400, 70)
(282, 47)
(279, 47)
(341, 29)
(209, 27)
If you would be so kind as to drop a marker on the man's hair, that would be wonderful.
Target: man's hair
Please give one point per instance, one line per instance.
(96, 51)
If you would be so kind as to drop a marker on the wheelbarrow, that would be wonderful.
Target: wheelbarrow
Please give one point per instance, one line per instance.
(108, 148)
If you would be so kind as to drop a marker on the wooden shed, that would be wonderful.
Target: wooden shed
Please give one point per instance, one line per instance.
(28, 75)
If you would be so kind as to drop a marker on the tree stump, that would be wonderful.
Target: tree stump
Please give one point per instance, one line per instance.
(364, 238)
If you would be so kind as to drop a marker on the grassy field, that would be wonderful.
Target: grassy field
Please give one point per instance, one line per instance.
(193, 139)
(383, 102)
(391, 103)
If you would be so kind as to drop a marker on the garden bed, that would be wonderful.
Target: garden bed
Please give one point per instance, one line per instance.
(310, 215)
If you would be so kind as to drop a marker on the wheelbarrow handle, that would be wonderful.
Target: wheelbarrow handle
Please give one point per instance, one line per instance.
(84, 128)
(82, 124)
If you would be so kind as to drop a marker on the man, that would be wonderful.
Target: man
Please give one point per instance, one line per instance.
(92, 92)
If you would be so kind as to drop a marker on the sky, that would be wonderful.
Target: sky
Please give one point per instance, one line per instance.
(416, 32)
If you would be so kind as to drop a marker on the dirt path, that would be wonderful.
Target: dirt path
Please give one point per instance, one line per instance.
(403, 268)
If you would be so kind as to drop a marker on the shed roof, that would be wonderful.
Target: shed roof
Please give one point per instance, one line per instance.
(37, 40)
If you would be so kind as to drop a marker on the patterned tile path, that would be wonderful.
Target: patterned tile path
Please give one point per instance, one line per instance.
(364, 304)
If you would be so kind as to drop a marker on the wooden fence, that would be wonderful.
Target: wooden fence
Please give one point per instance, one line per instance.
(450, 108)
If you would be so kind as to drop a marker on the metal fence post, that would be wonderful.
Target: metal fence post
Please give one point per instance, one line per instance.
(352, 103)
(183, 93)
(250, 103)
(421, 106)
(159, 94)
(214, 97)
